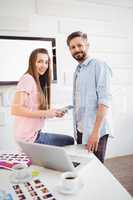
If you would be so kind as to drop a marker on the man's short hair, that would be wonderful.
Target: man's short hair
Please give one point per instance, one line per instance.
(76, 34)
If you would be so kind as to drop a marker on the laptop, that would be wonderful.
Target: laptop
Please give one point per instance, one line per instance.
(53, 157)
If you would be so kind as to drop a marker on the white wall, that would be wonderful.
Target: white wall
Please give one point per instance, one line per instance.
(109, 25)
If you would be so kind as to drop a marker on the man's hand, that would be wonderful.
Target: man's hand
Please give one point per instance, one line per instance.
(93, 140)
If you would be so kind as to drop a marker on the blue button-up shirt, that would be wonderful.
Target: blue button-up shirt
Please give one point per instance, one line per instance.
(94, 88)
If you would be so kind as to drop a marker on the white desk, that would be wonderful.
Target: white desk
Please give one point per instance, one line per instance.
(99, 183)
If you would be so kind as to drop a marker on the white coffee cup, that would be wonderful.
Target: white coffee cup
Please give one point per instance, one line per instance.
(20, 170)
(69, 181)
(20, 173)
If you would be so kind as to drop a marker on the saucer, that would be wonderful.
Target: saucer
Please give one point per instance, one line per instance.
(71, 191)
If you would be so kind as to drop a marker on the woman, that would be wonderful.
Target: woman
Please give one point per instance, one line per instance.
(31, 104)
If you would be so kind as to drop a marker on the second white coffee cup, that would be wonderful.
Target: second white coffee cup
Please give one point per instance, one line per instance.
(69, 181)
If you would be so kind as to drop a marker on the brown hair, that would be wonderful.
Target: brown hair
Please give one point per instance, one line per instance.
(44, 81)
(76, 34)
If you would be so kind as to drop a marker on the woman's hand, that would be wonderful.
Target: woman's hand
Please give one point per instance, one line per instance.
(54, 113)
(60, 113)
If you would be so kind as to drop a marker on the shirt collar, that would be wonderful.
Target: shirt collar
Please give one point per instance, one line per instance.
(85, 63)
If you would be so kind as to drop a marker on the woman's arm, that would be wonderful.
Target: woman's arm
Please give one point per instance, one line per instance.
(19, 109)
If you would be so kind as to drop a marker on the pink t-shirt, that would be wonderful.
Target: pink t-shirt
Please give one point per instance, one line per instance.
(26, 127)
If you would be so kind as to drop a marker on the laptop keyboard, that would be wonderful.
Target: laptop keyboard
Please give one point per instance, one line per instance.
(75, 164)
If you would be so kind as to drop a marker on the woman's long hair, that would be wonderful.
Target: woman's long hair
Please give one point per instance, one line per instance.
(44, 81)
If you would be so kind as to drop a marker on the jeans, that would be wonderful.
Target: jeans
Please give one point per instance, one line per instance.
(54, 139)
(100, 153)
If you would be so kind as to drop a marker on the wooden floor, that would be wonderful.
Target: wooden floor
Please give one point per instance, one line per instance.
(122, 169)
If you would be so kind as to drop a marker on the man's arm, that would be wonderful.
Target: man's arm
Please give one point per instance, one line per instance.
(94, 137)
(103, 90)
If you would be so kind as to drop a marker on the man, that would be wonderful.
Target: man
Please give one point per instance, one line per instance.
(91, 96)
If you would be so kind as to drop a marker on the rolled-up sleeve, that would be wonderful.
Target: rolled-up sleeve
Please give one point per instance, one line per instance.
(103, 84)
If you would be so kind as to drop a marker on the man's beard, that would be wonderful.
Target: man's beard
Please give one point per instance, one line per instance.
(80, 56)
